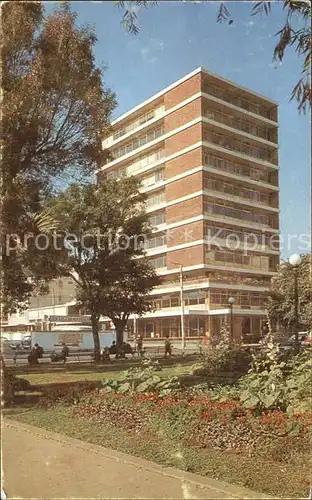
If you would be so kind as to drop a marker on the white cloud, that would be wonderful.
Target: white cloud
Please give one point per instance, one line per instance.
(149, 53)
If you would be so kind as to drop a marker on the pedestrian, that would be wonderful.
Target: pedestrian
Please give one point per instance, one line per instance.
(168, 347)
(64, 352)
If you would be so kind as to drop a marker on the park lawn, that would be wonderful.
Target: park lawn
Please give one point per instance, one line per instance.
(280, 480)
(91, 373)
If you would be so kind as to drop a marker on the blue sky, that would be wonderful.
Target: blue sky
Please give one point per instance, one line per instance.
(177, 37)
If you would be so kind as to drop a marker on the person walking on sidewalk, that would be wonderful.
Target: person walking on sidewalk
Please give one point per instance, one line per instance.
(168, 347)
(140, 346)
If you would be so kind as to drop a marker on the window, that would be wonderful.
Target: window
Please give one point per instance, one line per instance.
(246, 326)
(237, 122)
(238, 146)
(229, 211)
(240, 169)
(158, 219)
(157, 241)
(155, 199)
(138, 142)
(157, 176)
(128, 128)
(233, 98)
(159, 262)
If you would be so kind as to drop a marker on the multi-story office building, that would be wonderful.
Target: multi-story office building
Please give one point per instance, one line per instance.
(206, 152)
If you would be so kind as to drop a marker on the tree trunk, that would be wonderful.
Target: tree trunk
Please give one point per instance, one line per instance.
(119, 334)
(96, 338)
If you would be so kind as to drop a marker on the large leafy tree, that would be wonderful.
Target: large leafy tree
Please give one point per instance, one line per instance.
(127, 292)
(104, 228)
(281, 302)
(55, 109)
(295, 32)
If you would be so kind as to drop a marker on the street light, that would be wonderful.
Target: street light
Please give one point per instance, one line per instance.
(231, 302)
(295, 261)
(182, 307)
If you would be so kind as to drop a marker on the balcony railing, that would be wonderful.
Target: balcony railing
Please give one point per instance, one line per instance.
(222, 235)
(238, 124)
(156, 199)
(239, 147)
(138, 142)
(132, 126)
(238, 259)
(238, 101)
(159, 263)
(135, 167)
(138, 122)
(231, 189)
(234, 213)
(239, 169)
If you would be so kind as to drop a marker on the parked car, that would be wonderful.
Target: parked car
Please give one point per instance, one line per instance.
(287, 341)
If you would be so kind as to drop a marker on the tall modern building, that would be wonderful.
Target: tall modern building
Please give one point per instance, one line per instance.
(206, 152)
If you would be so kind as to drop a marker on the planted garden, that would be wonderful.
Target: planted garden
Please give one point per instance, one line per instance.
(254, 430)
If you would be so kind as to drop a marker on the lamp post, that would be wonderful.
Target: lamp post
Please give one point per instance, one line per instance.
(295, 261)
(231, 302)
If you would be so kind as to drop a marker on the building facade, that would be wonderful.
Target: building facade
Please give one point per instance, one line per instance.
(206, 152)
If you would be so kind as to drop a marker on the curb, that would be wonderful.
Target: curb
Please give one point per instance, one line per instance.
(199, 481)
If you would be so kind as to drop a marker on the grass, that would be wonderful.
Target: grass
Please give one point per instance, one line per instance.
(259, 475)
(92, 373)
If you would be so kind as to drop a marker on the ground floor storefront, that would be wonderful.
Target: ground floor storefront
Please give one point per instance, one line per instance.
(246, 328)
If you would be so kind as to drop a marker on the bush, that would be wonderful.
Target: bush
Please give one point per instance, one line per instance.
(142, 380)
(224, 360)
(274, 384)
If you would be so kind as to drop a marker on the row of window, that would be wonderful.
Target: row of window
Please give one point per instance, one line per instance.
(173, 300)
(243, 237)
(235, 257)
(137, 165)
(225, 187)
(237, 123)
(132, 126)
(239, 169)
(194, 326)
(235, 213)
(138, 142)
(238, 146)
(220, 298)
(244, 299)
(235, 99)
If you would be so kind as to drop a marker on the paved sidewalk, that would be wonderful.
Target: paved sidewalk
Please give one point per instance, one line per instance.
(41, 464)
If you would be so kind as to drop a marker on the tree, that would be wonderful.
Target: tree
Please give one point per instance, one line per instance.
(127, 293)
(104, 228)
(55, 110)
(281, 301)
(296, 32)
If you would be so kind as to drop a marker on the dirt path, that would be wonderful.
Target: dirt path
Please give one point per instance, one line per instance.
(41, 464)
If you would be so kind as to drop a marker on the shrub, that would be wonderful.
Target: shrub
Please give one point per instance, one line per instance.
(144, 379)
(274, 384)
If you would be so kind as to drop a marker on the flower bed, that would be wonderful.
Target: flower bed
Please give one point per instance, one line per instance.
(201, 422)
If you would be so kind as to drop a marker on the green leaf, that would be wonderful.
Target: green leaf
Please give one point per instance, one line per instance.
(124, 388)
